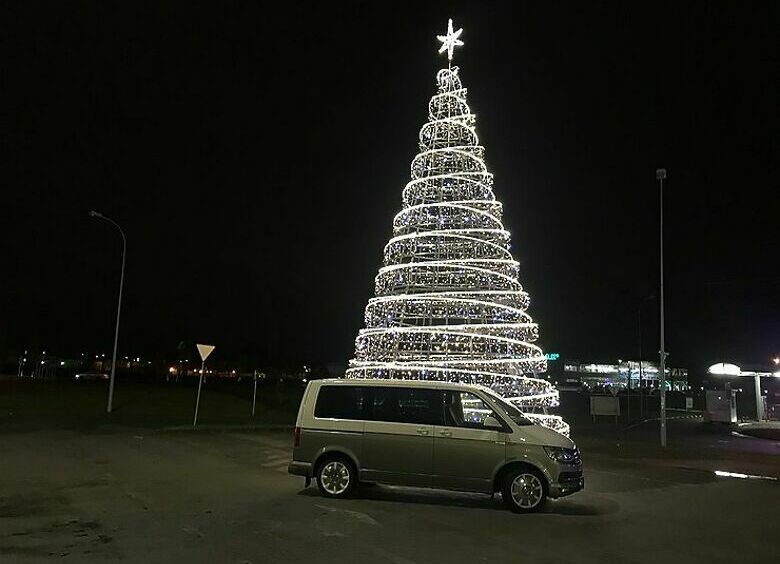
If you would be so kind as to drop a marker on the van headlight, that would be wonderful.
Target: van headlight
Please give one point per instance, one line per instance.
(563, 455)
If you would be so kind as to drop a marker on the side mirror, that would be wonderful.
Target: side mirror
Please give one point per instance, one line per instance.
(491, 422)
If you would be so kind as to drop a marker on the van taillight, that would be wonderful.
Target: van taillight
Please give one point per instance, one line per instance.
(297, 436)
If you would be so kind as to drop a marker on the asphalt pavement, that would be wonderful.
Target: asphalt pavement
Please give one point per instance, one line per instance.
(225, 496)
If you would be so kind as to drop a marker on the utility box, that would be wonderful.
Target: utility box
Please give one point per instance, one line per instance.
(721, 406)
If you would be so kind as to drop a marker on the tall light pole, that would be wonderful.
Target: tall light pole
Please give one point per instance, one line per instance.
(98, 215)
(660, 175)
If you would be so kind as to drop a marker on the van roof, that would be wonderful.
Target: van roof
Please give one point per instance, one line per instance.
(388, 382)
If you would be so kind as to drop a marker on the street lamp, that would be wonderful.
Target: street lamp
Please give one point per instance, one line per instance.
(98, 215)
(660, 175)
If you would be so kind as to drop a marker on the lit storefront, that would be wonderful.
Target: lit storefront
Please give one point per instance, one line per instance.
(620, 375)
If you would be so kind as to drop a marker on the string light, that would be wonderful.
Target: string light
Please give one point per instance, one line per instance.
(449, 305)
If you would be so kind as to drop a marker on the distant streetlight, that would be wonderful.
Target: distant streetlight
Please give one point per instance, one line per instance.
(660, 175)
(98, 215)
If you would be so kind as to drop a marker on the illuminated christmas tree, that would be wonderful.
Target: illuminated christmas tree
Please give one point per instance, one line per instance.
(449, 304)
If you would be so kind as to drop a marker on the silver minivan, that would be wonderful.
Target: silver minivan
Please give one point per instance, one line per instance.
(429, 434)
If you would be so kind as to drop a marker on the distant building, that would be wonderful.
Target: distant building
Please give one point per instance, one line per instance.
(618, 375)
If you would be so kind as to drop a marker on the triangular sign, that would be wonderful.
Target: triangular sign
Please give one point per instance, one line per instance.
(205, 351)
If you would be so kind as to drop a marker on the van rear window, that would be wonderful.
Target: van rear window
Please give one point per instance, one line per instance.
(340, 402)
(381, 403)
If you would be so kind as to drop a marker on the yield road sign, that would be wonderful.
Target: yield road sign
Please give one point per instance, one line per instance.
(205, 351)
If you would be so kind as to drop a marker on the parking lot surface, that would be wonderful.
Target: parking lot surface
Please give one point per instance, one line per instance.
(225, 496)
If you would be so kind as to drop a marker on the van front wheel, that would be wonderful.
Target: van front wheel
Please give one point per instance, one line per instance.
(336, 477)
(524, 490)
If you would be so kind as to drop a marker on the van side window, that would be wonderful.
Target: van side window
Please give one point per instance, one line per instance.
(463, 409)
(340, 402)
(407, 405)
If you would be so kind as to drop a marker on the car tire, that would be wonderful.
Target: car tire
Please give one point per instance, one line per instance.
(336, 476)
(524, 490)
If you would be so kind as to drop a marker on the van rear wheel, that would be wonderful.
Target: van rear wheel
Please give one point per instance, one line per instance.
(336, 476)
(524, 490)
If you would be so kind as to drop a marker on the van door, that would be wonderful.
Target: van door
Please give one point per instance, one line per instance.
(398, 435)
(465, 452)
(337, 423)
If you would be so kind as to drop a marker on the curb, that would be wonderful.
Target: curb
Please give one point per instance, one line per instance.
(257, 427)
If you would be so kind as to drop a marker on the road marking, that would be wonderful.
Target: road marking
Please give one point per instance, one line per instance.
(357, 515)
(274, 453)
(265, 441)
(278, 464)
(724, 474)
(280, 456)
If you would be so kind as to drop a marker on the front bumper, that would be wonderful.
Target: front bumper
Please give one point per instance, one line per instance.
(300, 469)
(567, 484)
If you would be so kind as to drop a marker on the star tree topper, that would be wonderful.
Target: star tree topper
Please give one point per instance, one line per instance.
(450, 41)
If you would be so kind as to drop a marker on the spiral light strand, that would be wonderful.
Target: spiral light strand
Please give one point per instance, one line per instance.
(449, 305)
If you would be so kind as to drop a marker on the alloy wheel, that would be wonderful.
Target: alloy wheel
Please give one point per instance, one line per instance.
(527, 490)
(335, 477)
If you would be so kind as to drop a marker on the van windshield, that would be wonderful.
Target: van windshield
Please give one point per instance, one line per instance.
(511, 411)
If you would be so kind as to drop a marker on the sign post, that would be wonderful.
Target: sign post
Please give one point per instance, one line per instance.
(204, 351)
(254, 392)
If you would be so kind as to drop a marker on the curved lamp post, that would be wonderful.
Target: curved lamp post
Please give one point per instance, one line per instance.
(99, 215)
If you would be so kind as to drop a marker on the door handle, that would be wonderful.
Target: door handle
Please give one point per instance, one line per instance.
(422, 431)
(445, 433)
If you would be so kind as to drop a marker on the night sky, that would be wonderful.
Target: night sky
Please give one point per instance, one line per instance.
(255, 154)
